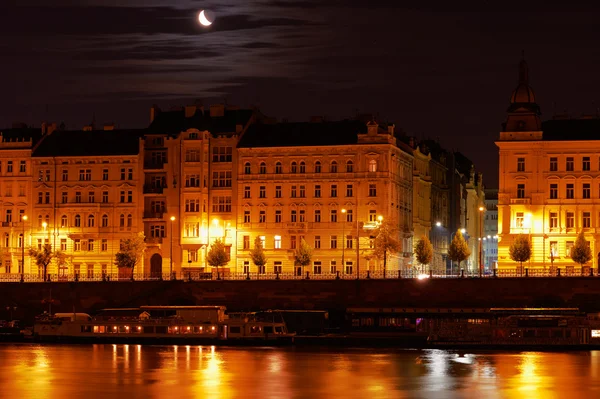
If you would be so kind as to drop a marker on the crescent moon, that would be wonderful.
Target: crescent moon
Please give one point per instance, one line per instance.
(203, 20)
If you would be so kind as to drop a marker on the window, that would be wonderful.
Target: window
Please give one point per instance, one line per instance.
(570, 191)
(293, 242)
(191, 180)
(333, 215)
(247, 192)
(349, 167)
(221, 179)
(246, 216)
(63, 244)
(157, 231)
(21, 190)
(318, 191)
(520, 164)
(222, 154)
(317, 267)
(64, 197)
(8, 215)
(333, 267)
(520, 190)
(570, 164)
(22, 166)
(246, 241)
(317, 242)
(105, 196)
(294, 167)
(373, 190)
(293, 216)
(262, 168)
(90, 245)
(9, 166)
(302, 216)
(47, 197)
(246, 267)
(277, 242)
(570, 219)
(568, 247)
(65, 175)
(77, 197)
(192, 205)
(278, 216)
(520, 217)
(349, 217)
(247, 168)
(317, 167)
(91, 197)
(372, 165)
(77, 245)
(277, 191)
(104, 220)
(293, 192)
(302, 167)
(586, 191)
(262, 216)
(553, 164)
(278, 168)
(333, 242)
(192, 155)
(349, 241)
(334, 190)
(91, 221)
(122, 173)
(348, 269)
(262, 192)
(277, 268)
(191, 229)
(77, 221)
(553, 191)
(585, 164)
(126, 196)
(64, 221)
(349, 190)
(553, 220)
(122, 221)
(302, 191)
(586, 219)
(85, 174)
(333, 167)
(104, 174)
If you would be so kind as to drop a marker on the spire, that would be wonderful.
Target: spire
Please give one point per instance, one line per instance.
(523, 70)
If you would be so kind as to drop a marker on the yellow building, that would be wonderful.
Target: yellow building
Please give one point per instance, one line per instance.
(548, 183)
(322, 182)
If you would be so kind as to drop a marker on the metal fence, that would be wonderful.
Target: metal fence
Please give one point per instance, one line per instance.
(306, 275)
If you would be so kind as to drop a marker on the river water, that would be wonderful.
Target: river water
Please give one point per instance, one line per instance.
(134, 371)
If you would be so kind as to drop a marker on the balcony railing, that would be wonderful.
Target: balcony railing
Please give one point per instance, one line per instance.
(153, 189)
(154, 240)
(154, 165)
(153, 215)
(520, 201)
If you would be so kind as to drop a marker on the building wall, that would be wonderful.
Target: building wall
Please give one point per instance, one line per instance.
(490, 230)
(421, 197)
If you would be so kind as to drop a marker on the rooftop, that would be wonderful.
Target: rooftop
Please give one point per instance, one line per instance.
(174, 122)
(89, 143)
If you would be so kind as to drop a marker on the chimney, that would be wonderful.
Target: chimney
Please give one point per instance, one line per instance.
(316, 119)
(88, 128)
(190, 110)
(372, 128)
(109, 126)
(391, 129)
(217, 110)
(154, 110)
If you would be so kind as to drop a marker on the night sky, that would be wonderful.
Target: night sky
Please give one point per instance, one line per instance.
(437, 71)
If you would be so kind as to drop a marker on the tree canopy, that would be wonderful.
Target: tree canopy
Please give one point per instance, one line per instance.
(424, 251)
(458, 250)
(303, 254)
(217, 255)
(520, 249)
(131, 251)
(258, 253)
(581, 252)
(44, 256)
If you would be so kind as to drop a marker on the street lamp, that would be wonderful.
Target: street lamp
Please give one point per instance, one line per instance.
(171, 256)
(481, 209)
(343, 238)
(23, 220)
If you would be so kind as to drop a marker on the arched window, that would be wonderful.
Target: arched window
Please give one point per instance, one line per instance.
(263, 168)
(129, 220)
(40, 220)
(104, 220)
(77, 221)
(372, 165)
(20, 240)
(64, 221)
(294, 167)
(6, 240)
(302, 167)
(278, 168)
(349, 167)
(122, 220)
(318, 167)
(333, 167)
(91, 221)
(48, 220)
(247, 168)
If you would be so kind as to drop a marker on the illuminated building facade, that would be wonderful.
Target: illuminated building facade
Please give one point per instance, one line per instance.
(490, 230)
(548, 183)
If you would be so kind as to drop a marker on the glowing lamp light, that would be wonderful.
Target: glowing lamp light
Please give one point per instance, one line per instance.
(423, 276)
(438, 224)
(463, 231)
(139, 328)
(213, 328)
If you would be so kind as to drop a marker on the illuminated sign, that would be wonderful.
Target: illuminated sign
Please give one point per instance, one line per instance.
(595, 333)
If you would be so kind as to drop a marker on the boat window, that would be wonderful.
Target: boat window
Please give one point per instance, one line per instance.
(161, 329)
(279, 329)
(198, 329)
(235, 330)
(148, 329)
(268, 329)
(86, 329)
(254, 329)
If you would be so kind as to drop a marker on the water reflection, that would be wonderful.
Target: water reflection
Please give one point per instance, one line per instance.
(134, 371)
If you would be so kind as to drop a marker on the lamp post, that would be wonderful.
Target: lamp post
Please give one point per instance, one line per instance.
(481, 209)
(171, 248)
(23, 220)
(343, 239)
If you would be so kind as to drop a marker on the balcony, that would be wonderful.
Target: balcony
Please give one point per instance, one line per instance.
(297, 226)
(154, 165)
(153, 215)
(154, 240)
(520, 201)
(153, 189)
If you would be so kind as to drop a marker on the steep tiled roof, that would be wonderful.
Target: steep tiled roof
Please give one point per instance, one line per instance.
(174, 122)
(89, 143)
(571, 129)
(302, 134)
(21, 134)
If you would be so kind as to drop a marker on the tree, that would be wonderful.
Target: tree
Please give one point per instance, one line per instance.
(385, 242)
(424, 251)
(258, 254)
(44, 256)
(131, 251)
(581, 252)
(520, 250)
(303, 254)
(458, 250)
(217, 256)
